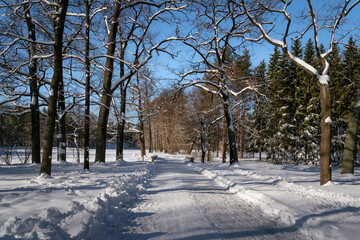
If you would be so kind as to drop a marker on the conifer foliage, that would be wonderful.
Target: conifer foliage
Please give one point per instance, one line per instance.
(285, 120)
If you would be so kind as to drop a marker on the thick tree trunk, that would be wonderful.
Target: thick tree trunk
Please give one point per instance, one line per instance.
(325, 145)
(54, 87)
(223, 155)
(106, 91)
(350, 145)
(230, 130)
(87, 88)
(34, 91)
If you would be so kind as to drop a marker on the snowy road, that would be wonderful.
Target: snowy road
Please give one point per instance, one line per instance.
(183, 204)
(173, 199)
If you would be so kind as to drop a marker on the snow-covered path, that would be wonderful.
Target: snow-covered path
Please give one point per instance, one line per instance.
(175, 199)
(183, 204)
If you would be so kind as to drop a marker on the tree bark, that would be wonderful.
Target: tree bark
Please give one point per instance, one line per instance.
(230, 130)
(350, 145)
(224, 141)
(150, 136)
(34, 91)
(121, 124)
(242, 131)
(87, 87)
(209, 150)
(260, 150)
(106, 91)
(62, 124)
(325, 124)
(142, 138)
(59, 24)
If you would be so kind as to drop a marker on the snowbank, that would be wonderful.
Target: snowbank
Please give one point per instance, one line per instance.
(72, 203)
(319, 211)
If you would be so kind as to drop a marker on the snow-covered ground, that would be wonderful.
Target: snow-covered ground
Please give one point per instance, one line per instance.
(168, 199)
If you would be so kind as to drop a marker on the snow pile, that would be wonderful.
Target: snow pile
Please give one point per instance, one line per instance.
(317, 210)
(91, 204)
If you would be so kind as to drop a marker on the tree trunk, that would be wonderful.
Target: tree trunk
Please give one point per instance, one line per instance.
(242, 131)
(87, 88)
(325, 145)
(54, 87)
(208, 150)
(106, 91)
(121, 124)
(350, 145)
(224, 141)
(230, 130)
(156, 137)
(34, 91)
(217, 140)
(202, 139)
(150, 136)
(62, 124)
(120, 141)
(142, 139)
(260, 150)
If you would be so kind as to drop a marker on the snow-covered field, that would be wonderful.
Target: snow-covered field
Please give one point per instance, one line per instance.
(168, 199)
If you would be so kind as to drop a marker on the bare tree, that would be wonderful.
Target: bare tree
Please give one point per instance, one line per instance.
(22, 35)
(205, 113)
(218, 22)
(255, 12)
(34, 90)
(141, 91)
(59, 24)
(142, 53)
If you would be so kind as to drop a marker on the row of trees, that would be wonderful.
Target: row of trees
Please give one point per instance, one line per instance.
(286, 121)
(58, 54)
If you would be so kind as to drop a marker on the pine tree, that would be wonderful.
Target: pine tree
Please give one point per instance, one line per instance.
(259, 117)
(300, 103)
(286, 107)
(271, 127)
(243, 74)
(338, 111)
(312, 111)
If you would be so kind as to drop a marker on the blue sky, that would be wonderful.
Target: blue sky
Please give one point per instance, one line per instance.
(259, 51)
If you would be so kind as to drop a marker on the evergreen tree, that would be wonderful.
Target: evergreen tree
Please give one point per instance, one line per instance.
(286, 108)
(243, 75)
(272, 127)
(338, 111)
(312, 111)
(259, 116)
(300, 103)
